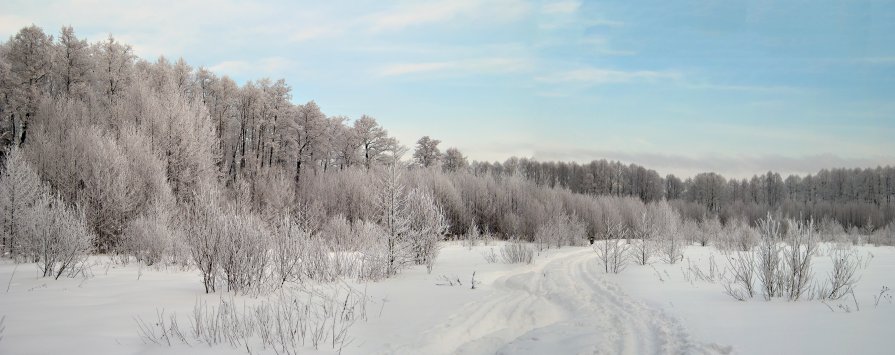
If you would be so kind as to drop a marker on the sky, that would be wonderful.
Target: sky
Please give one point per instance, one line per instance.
(735, 87)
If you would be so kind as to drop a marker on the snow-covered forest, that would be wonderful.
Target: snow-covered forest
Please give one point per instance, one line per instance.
(121, 172)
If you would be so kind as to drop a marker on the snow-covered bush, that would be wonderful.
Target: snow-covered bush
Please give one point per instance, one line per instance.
(147, 238)
(797, 256)
(472, 237)
(516, 251)
(202, 223)
(737, 236)
(612, 247)
(286, 250)
(670, 240)
(770, 273)
(644, 233)
(337, 232)
(742, 268)
(829, 230)
(842, 278)
(244, 258)
(59, 237)
(427, 227)
(374, 261)
(559, 230)
(709, 231)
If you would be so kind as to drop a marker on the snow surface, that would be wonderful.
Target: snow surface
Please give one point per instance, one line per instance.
(561, 304)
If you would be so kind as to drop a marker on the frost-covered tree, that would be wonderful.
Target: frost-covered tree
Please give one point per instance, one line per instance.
(20, 191)
(394, 216)
(71, 64)
(306, 129)
(454, 160)
(426, 154)
(113, 69)
(29, 55)
(373, 139)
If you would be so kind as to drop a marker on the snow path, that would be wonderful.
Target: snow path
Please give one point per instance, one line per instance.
(564, 306)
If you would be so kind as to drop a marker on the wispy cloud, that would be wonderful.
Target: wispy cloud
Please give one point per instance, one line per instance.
(561, 7)
(488, 65)
(598, 76)
(441, 11)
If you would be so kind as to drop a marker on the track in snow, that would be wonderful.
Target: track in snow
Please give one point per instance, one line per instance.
(565, 306)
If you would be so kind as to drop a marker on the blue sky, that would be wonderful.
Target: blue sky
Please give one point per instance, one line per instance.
(737, 87)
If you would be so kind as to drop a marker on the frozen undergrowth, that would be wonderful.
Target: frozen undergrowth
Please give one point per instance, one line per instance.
(563, 302)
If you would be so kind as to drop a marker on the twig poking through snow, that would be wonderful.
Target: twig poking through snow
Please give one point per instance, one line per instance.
(9, 284)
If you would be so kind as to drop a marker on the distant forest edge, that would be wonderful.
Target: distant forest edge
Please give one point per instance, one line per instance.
(863, 198)
(129, 144)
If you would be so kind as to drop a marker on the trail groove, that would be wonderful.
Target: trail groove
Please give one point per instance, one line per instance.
(565, 306)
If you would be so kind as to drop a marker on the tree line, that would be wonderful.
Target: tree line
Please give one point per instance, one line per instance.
(164, 162)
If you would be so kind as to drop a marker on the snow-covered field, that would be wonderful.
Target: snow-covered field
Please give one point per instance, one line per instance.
(562, 303)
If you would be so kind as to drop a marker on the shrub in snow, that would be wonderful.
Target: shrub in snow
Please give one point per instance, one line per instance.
(202, 224)
(644, 233)
(59, 237)
(373, 251)
(559, 230)
(516, 251)
(709, 231)
(244, 258)
(742, 268)
(612, 248)
(337, 231)
(287, 324)
(472, 236)
(797, 257)
(829, 230)
(149, 238)
(842, 278)
(770, 273)
(286, 250)
(427, 227)
(671, 242)
(737, 236)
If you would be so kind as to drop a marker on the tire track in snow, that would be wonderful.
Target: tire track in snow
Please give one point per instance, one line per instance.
(565, 306)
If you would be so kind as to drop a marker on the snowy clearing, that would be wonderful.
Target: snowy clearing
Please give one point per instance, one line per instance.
(562, 303)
